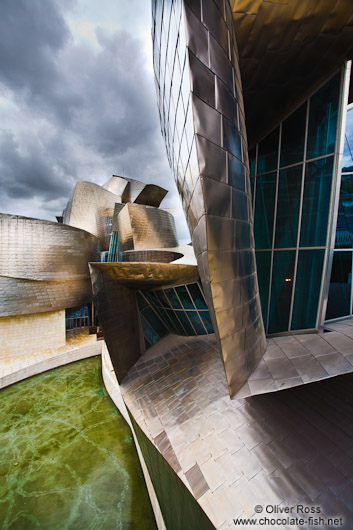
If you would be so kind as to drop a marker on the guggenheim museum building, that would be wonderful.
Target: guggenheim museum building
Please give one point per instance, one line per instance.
(231, 358)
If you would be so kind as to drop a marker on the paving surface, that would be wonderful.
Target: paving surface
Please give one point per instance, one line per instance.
(79, 345)
(287, 448)
(294, 360)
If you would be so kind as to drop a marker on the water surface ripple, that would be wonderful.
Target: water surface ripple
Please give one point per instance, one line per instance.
(67, 457)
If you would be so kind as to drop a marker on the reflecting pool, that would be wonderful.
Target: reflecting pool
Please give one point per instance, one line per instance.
(67, 457)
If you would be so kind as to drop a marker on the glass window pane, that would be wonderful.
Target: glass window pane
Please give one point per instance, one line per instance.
(161, 299)
(185, 322)
(307, 288)
(268, 152)
(264, 210)
(154, 298)
(148, 332)
(288, 205)
(197, 296)
(168, 321)
(155, 322)
(184, 297)
(147, 343)
(196, 322)
(344, 230)
(206, 320)
(347, 164)
(339, 296)
(281, 291)
(323, 109)
(252, 161)
(293, 137)
(316, 202)
(149, 296)
(172, 316)
(263, 262)
(141, 301)
(252, 187)
(173, 299)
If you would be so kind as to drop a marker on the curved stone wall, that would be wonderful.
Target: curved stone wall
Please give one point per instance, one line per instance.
(43, 265)
(205, 135)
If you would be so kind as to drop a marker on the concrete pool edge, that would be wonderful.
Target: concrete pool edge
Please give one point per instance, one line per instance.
(49, 363)
(113, 389)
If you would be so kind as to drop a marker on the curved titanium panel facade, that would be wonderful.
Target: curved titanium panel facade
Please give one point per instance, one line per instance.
(152, 255)
(43, 265)
(202, 119)
(114, 286)
(88, 206)
(145, 227)
(151, 195)
(116, 185)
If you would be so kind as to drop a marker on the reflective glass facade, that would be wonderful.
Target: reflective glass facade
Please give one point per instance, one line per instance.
(181, 310)
(340, 291)
(114, 253)
(77, 317)
(292, 182)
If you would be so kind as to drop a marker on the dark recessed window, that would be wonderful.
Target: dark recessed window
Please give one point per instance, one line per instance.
(323, 109)
(339, 297)
(307, 288)
(293, 137)
(281, 290)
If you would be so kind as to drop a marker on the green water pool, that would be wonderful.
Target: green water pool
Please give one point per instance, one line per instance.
(67, 457)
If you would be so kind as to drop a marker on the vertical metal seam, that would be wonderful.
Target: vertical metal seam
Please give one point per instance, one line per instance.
(335, 192)
(274, 227)
(300, 212)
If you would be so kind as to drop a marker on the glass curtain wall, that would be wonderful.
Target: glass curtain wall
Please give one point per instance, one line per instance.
(291, 180)
(340, 292)
(181, 310)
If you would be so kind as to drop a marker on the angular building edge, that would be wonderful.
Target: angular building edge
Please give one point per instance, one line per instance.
(212, 176)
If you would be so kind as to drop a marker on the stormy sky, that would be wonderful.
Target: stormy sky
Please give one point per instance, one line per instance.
(77, 102)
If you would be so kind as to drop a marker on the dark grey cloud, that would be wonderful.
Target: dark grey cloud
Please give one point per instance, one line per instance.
(27, 172)
(82, 113)
(32, 34)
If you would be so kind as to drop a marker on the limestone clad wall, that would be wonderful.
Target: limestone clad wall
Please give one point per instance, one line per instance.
(32, 333)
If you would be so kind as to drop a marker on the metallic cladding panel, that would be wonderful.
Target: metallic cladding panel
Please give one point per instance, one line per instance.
(114, 286)
(151, 195)
(117, 209)
(116, 185)
(119, 317)
(203, 127)
(88, 205)
(22, 296)
(286, 49)
(132, 190)
(124, 229)
(152, 255)
(145, 227)
(43, 265)
(148, 275)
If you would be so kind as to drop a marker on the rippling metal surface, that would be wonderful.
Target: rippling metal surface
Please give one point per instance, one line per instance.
(145, 227)
(43, 265)
(206, 142)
